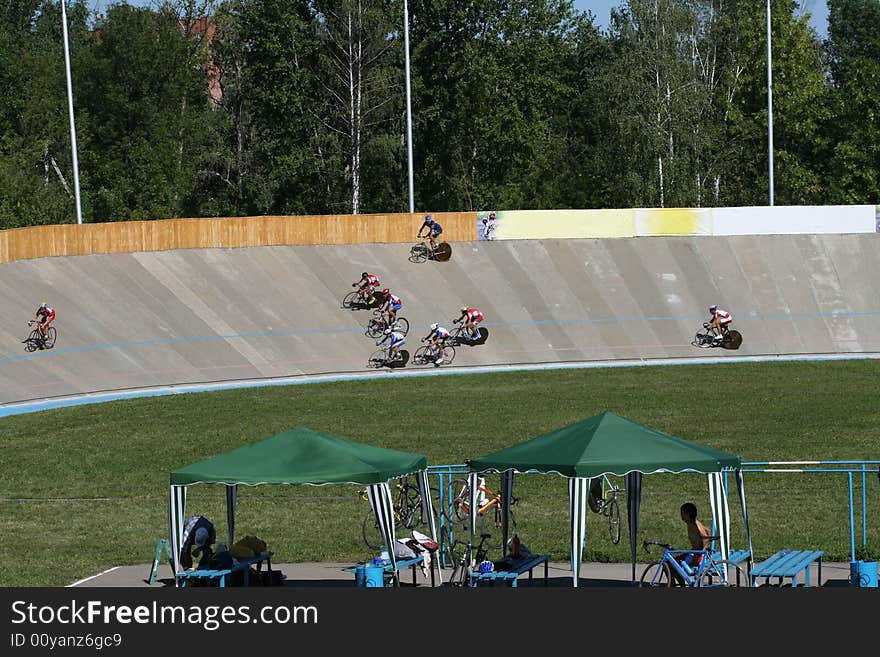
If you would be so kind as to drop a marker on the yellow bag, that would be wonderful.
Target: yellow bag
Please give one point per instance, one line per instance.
(249, 546)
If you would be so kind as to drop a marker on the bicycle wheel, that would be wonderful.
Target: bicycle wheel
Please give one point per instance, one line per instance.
(614, 520)
(448, 354)
(377, 359)
(732, 340)
(490, 522)
(723, 574)
(401, 324)
(458, 494)
(409, 506)
(33, 341)
(370, 530)
(443, 252)
(351, 301)
(375, 327)
(423, 356)
(418, 253)
(51, 334)
(656, 575)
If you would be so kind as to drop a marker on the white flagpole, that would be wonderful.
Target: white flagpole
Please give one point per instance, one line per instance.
(409, 147)
(70, 111)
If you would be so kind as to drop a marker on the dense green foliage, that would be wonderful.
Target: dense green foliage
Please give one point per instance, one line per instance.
(300, 107)
(85, 488)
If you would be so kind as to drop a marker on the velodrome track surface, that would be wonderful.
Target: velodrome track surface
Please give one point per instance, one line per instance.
(134, 321)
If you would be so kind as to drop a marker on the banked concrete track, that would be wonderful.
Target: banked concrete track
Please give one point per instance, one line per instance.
(195, 316)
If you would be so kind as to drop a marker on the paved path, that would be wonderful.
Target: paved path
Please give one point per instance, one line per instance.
(336, 575)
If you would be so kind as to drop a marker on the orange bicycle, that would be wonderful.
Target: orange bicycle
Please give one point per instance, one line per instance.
(489, 516)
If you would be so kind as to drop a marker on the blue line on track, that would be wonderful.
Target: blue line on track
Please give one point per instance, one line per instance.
(177, 389)
(545, 322)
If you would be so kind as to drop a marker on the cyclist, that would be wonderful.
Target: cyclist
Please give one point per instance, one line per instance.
(367, 282)
(395, 339)
(488, 226)
(433, 231)
(470, 317)
(699, 537)
(391, 305)
(720, 322)
(42, 318)
(436, 339)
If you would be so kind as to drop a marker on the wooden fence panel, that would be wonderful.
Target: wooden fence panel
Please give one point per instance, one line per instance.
(225, 232)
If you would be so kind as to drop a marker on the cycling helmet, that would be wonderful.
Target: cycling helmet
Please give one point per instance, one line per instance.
(387, 331)
(428, 217)
(434, 326)
(384, 290)
(44, 305)
(712, 309)
(364, 275)
(464, 309)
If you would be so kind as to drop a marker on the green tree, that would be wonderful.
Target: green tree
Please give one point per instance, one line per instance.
(854, 124)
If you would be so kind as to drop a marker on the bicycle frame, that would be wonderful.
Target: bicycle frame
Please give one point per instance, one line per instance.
(691, 579)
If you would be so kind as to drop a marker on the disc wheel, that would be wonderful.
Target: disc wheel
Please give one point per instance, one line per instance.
(443, 252)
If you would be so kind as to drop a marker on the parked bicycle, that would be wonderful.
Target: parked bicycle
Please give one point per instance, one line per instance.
(603, 499)
(708, 573)
(408, 512)
(422, 251)
(489, 513)
(466, 557)
(379, 322)
(730, 338)
(36, 341)
(427, 354)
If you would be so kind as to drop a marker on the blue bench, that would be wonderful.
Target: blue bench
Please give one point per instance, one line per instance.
(509, 570)
(788, 563)
(241, 565)
(411, 563)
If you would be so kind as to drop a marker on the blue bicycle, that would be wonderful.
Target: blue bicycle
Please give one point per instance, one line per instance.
(673, 570)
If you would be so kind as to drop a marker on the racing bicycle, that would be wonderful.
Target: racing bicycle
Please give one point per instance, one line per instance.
(357, 300)
(379, 359)
(408, 512)
(669, 571)
(36, 341)
(460, 335)
(489, 512)
(427, 354)
(379, 322)
(422, 251)
(730, 338)
(465, 556)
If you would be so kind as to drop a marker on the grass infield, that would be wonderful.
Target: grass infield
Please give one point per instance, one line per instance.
(85, 488)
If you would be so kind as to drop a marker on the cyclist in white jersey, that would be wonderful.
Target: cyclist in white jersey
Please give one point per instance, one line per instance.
(395, 340)
(720, 322)
(437, 341)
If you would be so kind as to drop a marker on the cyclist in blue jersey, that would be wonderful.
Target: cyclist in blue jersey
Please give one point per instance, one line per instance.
(436, 339)
(433, 230)
(395, 340)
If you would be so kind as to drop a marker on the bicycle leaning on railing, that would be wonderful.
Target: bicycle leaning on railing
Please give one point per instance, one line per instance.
(670, 570)
(489, 512)
(408, 512)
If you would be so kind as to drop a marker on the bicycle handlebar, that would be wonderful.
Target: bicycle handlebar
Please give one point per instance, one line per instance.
(647, 544)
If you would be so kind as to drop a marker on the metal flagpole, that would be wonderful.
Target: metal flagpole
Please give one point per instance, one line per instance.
(70, 111)
(769, 103)
(409, 148)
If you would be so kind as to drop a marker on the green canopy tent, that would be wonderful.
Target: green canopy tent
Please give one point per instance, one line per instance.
(610, 444)
(301, 456)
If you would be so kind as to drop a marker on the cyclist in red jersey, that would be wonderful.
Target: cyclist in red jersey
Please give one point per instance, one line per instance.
(43, 317)
(470, 317)
(720, 322)
(368, 282)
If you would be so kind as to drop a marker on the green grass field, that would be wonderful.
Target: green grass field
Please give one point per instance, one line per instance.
(85, 488)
